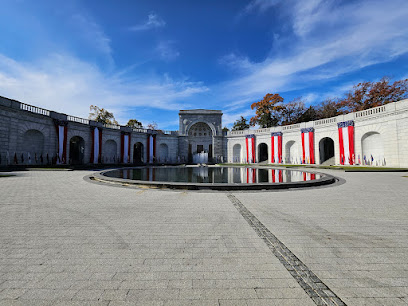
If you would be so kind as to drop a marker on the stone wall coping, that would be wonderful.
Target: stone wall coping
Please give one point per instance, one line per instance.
(200, 112)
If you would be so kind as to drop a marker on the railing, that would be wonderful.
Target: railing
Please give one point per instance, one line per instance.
(112, 126)
(238, 132)
(325, 121)
(291, 127)
(369, 112)
(264, 130)
(77, 119)
(34, 109)
(139, 130)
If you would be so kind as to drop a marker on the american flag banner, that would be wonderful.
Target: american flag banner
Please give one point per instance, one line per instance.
(151, 148)
(307, 176)
(62, 131)
(308, 146)
(96, 148)
(250, 148)
(277, 175)
(346, 141)
(125, 148)
(250, 175)
(276, 142)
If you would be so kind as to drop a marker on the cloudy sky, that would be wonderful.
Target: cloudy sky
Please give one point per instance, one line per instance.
(147, 59)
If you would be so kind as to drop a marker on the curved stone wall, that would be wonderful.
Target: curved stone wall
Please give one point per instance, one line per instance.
(380, 135)
(28, 136)
(31, 135)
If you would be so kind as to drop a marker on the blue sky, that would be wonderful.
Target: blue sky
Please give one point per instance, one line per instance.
(149, 59)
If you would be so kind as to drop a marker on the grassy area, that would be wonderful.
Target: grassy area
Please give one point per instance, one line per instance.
(6, 175)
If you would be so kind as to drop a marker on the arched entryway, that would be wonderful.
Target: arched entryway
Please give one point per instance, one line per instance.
(372, 149)
(138, 153)
(200, 143)
(33, 142)
(163, 153)
(262, 152)
(236, 153)
(291, 153)
(326, 150)
(76, 150)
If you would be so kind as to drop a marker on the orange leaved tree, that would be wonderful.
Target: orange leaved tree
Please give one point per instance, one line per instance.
(267, 111)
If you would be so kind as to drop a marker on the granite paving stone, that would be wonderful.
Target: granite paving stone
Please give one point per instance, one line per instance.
(67, 241)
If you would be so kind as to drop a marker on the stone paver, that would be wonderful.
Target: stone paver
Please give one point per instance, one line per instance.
(66, 241)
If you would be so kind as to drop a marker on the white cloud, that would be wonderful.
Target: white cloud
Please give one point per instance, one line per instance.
(235, 62)
(167, 51)
(153, 21)
(260, 5)
(65, 84)
(93, 35)
(329, 40)
(228, 118)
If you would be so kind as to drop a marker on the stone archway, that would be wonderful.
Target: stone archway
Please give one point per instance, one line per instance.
(236, 153)
(200, 142)
(33, 145)
(326, 150)
(291, 152)
(262, 152)
(76, 150)
(138, 153)
(372, 149)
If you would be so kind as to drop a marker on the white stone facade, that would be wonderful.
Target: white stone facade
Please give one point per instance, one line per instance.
(381, 134)
(28, 133)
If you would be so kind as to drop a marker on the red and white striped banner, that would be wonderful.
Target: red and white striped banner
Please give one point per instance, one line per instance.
(250, 175)
(62, 131)
(276, 141)
(151, 148)
(308, 146)
(346, 141)
(250, 148)
(125, 148)
(307, 176)
(277, 176)
(96, 149)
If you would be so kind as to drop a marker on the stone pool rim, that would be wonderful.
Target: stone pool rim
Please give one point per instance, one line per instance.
(325, 179)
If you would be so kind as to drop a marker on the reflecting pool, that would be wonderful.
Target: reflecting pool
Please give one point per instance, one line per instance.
(213, 175)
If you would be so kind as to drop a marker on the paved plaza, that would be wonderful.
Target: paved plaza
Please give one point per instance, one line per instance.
(67, 241)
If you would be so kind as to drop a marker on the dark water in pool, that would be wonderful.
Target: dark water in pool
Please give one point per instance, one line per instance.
(225, 175)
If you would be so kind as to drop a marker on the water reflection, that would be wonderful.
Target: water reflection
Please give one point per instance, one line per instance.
(230, 175)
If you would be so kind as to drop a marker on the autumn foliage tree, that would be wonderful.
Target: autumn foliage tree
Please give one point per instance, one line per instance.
(101, 115)
(267, 111)
(292, 111)
(371, 94)
(271, 111)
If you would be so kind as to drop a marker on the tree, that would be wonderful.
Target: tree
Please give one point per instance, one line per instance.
(371, 94)
(292, 112)
(133, 123)
(225, 129)
(101, 115)
(240, 124)
(267, 111)
(328, 108)
(309, 114)
(152, 126)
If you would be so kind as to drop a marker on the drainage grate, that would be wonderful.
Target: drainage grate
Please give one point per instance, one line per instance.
(311, 284)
